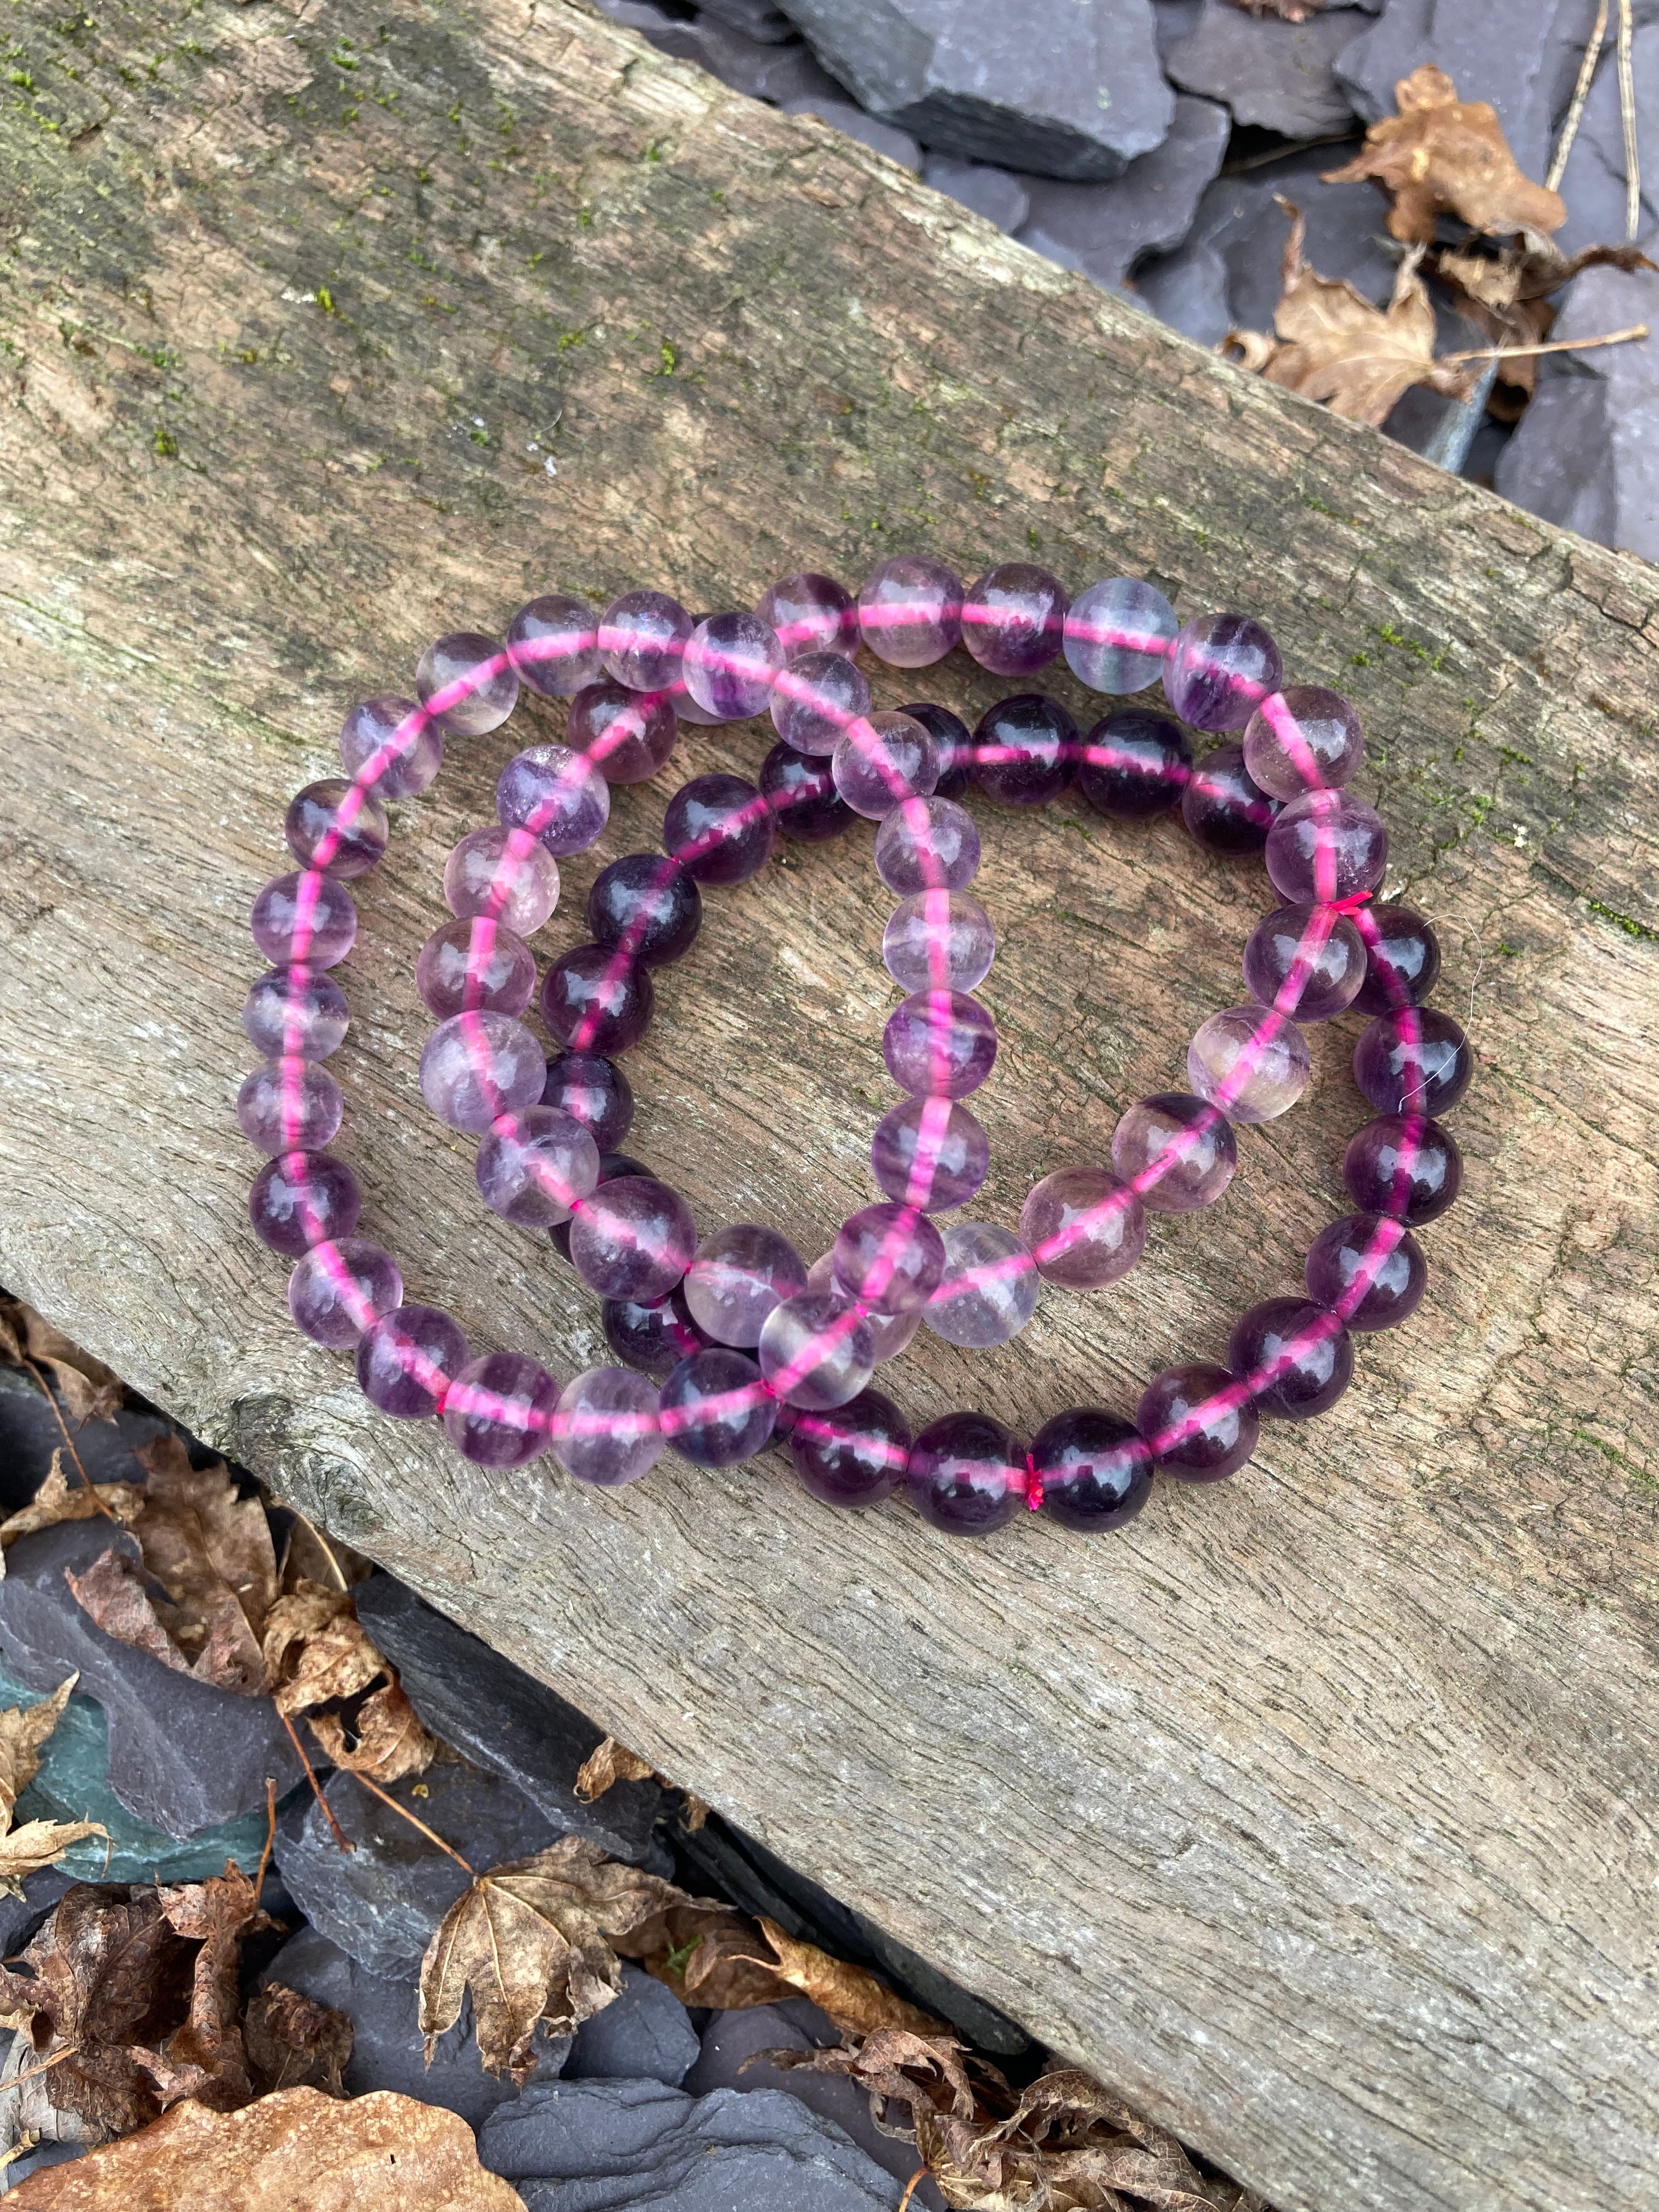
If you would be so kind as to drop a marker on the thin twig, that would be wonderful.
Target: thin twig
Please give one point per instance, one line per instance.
(58, 1416)
(1581, 94)
(340, 1835)
(1627, 116)
(45, 2065)
(1554, 345)
(429, 1833)
(270, 1837)
(911, 2187)
(323, 1542)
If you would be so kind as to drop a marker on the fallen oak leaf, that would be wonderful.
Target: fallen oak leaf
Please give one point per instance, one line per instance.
(59, 1500)
(611, 1763)
(292, 2042)
(1440, 156)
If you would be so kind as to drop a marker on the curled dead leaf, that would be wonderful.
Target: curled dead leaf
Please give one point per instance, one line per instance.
(709, 1954)
(57, 1499)
(24, 1731)
(855, 2001)
(37, 1845)
(1440, 156)
(210, 1548)
(388, 1742)
(292, 2042)
(90, 1391)
(897, 2067)
(611, 1763)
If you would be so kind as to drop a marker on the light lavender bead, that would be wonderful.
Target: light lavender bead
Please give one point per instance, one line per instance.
(927, 845)
(809, 613)
(553, 643)
(989, 1288)
(731, 662)
(304, 920)
(889, 1258)
(633, 1238)
(930, 1153)
(474, 963)
(335, 826)
(1117, 634)
(501, 873)
(739, 1274)
(889, 1333)
(289, 1106)
(642, 640)
(557, 795)
(479, 1066)
(910, 610)
(605, 1430)
(466, 681)
(884, 758)
(1326, 846)
(297, 1012)
(1083, 1227)
(1250, 1063)
(938, 941)
(339, 1289)
(533, 1166)
(815, 1351)
(1305, 738)
(940, 1043)
(814, 700)
(396, 741)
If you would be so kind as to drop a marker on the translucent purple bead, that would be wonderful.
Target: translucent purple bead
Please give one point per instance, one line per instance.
(1083, 1228)
(1118, 635)
(883, 760)
(731, 661)
(608, 1430)
(337, 1290)
(474, 965)
(559, 796)
(595, 999)
(499, 1409)
(297, 1012)
(304, 920)
(612, 1165)
(715, 1410)
(335, 826)
(928, 844)
(652, 1337)
(1251, 1064)
(1297, 1358)
(1176, 1152)
(930, 1153)
(889, 1333)
(402, 754)
(1416, 1061)
(1024, 750)
(966, 1475)
(476, 1066)
(302, 1198)
(815, 1351)
(938, 941)
(953, 745)
(1095, 1470)
(289, 1106)
(1013, 618)
(633, 1238)
(534, 1167)
(1326, 845)
(1218, 671)
(941, 1043)
(1403, 1164)
(910, 611)
(595, 1091)
(720, 829)
(553, 643)
(854, 1455)
(686, 709)
(809, 613)
(989, 1288)
(1201, 1425)
(645, 906)
(466, 682)
(1368, 1269)
(800, 790)
(642, 638)
(407, 1360)
(1223, 810)
(1306, 739)
(889, 1258)
(1306, 961)
(738, 1276)
(816, 699)
(1135, 764)
(628, 735)
(1403, 959)
(501, 873)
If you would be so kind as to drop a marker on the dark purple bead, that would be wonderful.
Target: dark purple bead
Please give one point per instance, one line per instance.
(1308, 1353)
(1223, 808)
(1209, 1429)
(1219, 670)
(302, 1198)
(800, 790)
(1024, 750)
(595, 999)
(407, 1360)
(595, 1091)
(931, 1153)
(1013, 619)
(715, 1410)
(633, 1238)
(889, 1258)
(720, 829)
(1403, 1164)
(1327, 978)
(1403, 961)
(628, 735)
(1135, 764)
(953, 746)
(966, 1475)
(648, 905)
(1096, 1472)
(1363, 1247)
(1416, 1061)
(653, 1338)
(611, 1165)
(854, 1455)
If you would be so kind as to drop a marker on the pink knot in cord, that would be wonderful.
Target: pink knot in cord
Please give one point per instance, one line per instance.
(1033, 1485)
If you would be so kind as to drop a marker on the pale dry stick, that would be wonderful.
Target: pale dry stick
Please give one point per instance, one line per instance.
(911, 2187)
(270, 1837)
(45, 2065)
(430, 1834)
(58, 1416)
(1627, 116)
(324, 1545)
(1553, 345)
(1581, 94)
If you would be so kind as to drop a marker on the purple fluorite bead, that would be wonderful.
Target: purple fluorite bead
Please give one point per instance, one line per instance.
(938, 941)
(607, 1431)
(889, 1333)
(628, 735)
(930, 1153)
(557, 795)
(466, 682)
(304, 920)
(289, 1106)
(1368, 1269)
(302, 1198)
(1416, 1061)
(1198, 1422)
(1083, 1228)
(504, 875)
(1095, 1470)
(553, 643)
(1326, 845)
(928, 844)
(652, 1337)
(1297, 1358)
(647, 907)
(989, 1288)
(881, 761)
(1251, 1064)
(816, 699)
(595, 1091)
(1218, 671)
(816, 1350)
(738, 1276)
(953, 745)
(336, 1290)
(534, 1167)
(407, 1360)
(1013, 618)
(716, 1411)
(1306, 961)
(800, 790)
(633, 1238)
(910, 611)
(1403, 959)
(854, 1455)
(966, 1475)
(595, 999)
(1405, 1165)
(299, 1013)
(642, 638)
(940, 1043)
(1176, 1152)
(612, 1166)
(730, 664)
(338, 826)
(1135, 764)
(720, 829)
(393, 743)
(472, 966)
(1306, 739)
(1223, 810)
(889, 1258)
(477, 1066)
(1024, 750)
(1118, 635)
(809, 613)
(499, 1409)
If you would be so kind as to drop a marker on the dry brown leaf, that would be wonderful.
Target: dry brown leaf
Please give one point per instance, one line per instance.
(203, 2057)
(23, 1730)
(390, 1743)
(611, 1763)
(58, 1499)
(710, 1955)
(112, 1592)
(310, 1554)
(382, 2153)
(694, 1814)
(292, 2042)
(1440, 156)
(855, 2001)
(90, 1391)
(39, 1843)
(210, 1548)
(920, 2072)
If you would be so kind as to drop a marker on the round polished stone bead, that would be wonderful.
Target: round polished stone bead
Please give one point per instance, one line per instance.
(739, 1274)
(889, 1333)
(928, 844)
(646, 906)
(966, 1475)
(553, 643)
(1134, 764)
(1223, 809)
(1095, 1469)
(881, 761)
(472, 965)
(716, 1410)
(891, 1257)
(611, 1166)
(938, 941)
(335, 826)
(1369, 1270)
(595, 999)
(941, 1043)
(855, 1455)
(1326, 845)
(930, 1153)
(1013, 618)
(1083, 1227)
(337, 1289)
(304, 920)
(1250, 1063)
(989, 1288)
(557, 795)
(1218, 671)
(499, 1410)
(816, 699)
(720, 829)
(476, 1066)
(407, 1360)
(1306, 961)
(809, 613)
(1416, 1061)
(503, 874)
(607, 1429)
(1024, 750)
(910, 611)
(1306, 739)
(1403, 959)
(652, 1336)
(296, 1011)
(1118, 635)
(628, 735)
(730, 663)
(1176, 1152)
(953, 745)
(642, 638)
(466, 681)
(393, 743)
(800, 790)
(302, 1198)
(633, 1238)
(1201, 1425)
(289, 1106)
(1403, 1164)
(594, 1091)
(1297, 1358)
(815, 1351)
(533, 1166)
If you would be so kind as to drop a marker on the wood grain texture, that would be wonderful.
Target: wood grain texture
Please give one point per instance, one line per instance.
(1316, 1814)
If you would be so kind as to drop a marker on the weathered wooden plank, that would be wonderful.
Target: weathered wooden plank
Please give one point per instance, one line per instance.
(1318, 1813)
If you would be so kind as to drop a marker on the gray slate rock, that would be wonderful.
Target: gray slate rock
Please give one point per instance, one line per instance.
(382, 1902)
(1063, 87)
(505, 1720)
(643, 2035)
(1174, 21)
(29, 1435)
(997, 194)
(599, 2146)
(756, 19)
(1277, 75)
(183, 1755)
(1103, 230)
(763, 69)
(1592, 183)
(881, 137)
